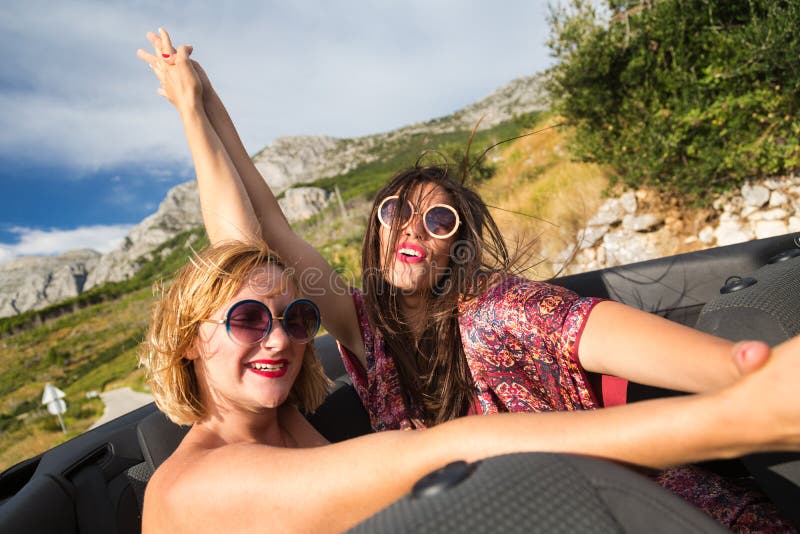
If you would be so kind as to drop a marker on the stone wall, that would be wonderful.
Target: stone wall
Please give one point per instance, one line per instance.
(636, 227)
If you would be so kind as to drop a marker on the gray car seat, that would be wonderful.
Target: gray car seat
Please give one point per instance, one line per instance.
(538, 492)
(764, 305)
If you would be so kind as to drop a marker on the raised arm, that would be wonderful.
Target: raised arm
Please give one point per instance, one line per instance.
(226, 209)
(241, 179)
(330, 488)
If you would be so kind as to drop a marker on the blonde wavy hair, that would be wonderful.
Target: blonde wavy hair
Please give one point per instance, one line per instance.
(212, 276)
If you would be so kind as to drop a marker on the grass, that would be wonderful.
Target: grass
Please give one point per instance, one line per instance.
(552, 196)
(87, 347)
(42, 431)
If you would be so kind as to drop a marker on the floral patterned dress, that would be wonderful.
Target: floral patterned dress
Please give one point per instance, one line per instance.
(521, 342)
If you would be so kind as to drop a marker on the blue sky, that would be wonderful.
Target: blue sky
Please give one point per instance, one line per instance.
(88, 149)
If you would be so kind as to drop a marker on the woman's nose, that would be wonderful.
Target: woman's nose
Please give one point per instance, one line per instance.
(277, 339)
(415, 226)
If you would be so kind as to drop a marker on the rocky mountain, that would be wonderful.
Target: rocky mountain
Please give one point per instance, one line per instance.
(178, 212)
(33, 283)
(636, 227)
(291, 160)
(299, 203)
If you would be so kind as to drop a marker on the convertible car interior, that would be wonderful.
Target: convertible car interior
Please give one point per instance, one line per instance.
(95, 482)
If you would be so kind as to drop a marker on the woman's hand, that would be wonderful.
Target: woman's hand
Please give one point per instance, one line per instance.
(766, 395)
(181, 83)
(156, 41)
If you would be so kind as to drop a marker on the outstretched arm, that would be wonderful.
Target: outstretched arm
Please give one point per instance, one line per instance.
(256, 201)
(623, 341)
(330, 488)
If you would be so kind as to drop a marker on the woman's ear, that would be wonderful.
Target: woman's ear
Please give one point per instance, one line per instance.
(199, 345)
(193, 353)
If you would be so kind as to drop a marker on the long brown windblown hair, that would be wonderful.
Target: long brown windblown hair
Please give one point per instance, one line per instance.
(435, 380)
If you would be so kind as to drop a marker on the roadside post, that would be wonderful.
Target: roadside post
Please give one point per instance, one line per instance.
(53, 398)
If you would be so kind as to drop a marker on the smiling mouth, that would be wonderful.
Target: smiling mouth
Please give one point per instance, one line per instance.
(269, 369)
(267, 366)
(408, 253)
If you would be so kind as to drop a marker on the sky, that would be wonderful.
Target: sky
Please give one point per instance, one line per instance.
(88, 148)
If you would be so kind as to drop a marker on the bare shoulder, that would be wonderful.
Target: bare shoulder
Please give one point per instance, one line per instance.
(165, 489)
(208, 485)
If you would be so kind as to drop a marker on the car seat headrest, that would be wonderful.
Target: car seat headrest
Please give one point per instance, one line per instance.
(158, 438)
(763, 305)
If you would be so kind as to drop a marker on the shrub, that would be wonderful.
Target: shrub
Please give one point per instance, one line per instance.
(691, 96)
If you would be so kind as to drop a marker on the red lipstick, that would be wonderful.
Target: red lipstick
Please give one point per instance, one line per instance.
(409, 253)
(269, 368)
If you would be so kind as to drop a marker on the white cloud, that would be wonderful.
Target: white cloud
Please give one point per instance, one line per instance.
(73, 92)
(37, 242)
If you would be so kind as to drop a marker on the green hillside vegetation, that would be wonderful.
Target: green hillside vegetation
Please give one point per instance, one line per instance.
(363, 181)
(690, 96)
(84, 344)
